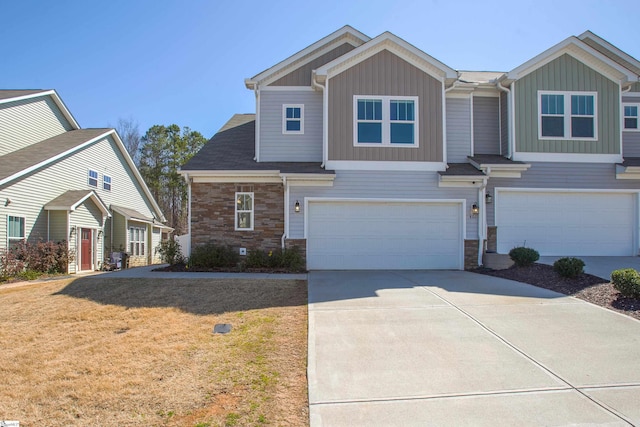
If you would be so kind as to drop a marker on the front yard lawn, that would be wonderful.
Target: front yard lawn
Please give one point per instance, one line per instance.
(99, 351)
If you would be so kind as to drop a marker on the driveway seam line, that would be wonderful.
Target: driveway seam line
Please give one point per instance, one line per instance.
(513, 347)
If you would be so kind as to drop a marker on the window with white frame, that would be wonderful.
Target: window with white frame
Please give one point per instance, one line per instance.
(136, 241)
(244, 211)
(631, 116)
(16, 231)
(106, 182)
(293, 118)
(567, 115)
(385, 121)
(93, 178)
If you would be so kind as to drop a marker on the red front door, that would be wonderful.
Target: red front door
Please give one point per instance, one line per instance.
(85, 249)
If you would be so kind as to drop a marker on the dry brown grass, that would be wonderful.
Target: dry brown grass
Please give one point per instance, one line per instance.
(95, 351)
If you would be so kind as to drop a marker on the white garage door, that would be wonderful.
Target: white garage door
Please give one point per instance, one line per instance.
(384, 235)
(566, 223)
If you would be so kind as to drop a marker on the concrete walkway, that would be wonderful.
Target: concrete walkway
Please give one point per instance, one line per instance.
(600, 266)
(457, 348)
(147, 272)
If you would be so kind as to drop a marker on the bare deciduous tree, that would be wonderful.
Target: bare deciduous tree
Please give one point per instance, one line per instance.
(130, 135)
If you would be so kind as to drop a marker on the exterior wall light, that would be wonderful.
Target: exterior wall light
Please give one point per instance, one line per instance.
(297, 206)
(72, 231)
(475, 210)
(488, 198)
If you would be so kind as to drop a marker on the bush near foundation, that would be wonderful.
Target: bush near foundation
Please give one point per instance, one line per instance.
(212, 256)
(627, 281)
(524, 257)
(287, 259)
(569, 267)
(31, 260)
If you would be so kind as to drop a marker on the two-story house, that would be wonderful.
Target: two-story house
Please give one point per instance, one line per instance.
(60, 183)
(371, 154)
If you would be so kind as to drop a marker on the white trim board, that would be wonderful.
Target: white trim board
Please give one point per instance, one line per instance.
(567, 157)
(364, 165)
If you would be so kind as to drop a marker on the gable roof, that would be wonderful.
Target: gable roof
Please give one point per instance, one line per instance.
(12, 95)
(131, 214)
(70, 200)
(232, 149)
(346, 34)
(394, 44)
(583, 53)
(606, 48)
(18, 163)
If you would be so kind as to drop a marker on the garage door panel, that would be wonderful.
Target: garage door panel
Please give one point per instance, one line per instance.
(565, 223)
(384, 235)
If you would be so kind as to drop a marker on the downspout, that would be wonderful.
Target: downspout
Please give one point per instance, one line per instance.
(482, 220)
(325, 116)
(48, 226)
(257, 146)
(286, 210)
(509, 118)
(189, 213)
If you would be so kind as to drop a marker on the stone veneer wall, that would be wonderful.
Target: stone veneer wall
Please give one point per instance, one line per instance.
(300, 243)
(138, 261)
(470, 254)
(492, 238)
(213, 215)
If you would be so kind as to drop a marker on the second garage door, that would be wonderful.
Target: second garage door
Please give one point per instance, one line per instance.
(384, 235)
(567, 223)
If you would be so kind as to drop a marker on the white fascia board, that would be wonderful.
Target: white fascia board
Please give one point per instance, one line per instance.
(52, 159)
(271, 74)
(136, 173)
(196, 173)
(602, 42)
(567, 157)
(571, 46)
(236, 176)
(396, 45)
(56, 98)
(385, 165)
(94, 197)
(309, 180)
(563, 190)
(462, 181)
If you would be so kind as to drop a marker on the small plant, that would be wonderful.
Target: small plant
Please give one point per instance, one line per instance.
(524, 257)
(569, 267)
(170, 252)
(287, 259)
(627, 281)
(213, 256)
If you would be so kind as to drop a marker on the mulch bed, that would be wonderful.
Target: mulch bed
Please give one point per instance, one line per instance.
(586, 287)
(183, 268)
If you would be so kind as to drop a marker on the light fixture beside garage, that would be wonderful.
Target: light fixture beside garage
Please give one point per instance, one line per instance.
(488, 198)
(297, 206)
(475, 210)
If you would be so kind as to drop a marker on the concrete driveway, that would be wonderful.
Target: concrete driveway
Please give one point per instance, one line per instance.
(457, 348)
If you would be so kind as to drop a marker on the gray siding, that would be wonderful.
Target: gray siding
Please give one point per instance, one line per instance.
(396, 185)
(301, 76)
(385, 74)
(504, 123)
(29, 121)
(58, 229)
(458, 130)
(631, 144)
(276, 146)
(567, 73)
(562, 175)
(486, 125)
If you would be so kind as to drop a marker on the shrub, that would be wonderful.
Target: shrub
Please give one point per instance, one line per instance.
(170, 252)
(627, 281)
(28, 259)
(213, 256)
(288, 259)
(569, 267)
(524, 257)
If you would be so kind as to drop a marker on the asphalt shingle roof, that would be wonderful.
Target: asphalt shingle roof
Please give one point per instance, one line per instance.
(461, 169)
(495, 159)
(34, 154)
(11, 93)
(233, 148)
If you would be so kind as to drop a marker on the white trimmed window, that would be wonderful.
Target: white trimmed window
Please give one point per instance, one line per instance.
(244, 211)
(106, 182)
(293, 119)
(385, 121)
(92, 178)
(16, 230)
(567, 115)
(630, 119)
(136, 241)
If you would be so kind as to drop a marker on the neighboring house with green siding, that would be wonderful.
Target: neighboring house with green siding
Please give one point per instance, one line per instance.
(368, 153)
(59, 182)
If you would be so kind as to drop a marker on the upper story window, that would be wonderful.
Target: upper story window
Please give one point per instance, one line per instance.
(16, 231)
(293, 118)
(106, 182)
(631, 116)
(385, 121)
(244, 211)
(567, 115)
(93, 178)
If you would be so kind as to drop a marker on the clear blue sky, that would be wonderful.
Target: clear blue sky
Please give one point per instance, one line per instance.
(184, 62)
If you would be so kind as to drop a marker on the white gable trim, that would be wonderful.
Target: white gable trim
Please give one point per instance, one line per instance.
(394, 44)
(583, 53)
(602, 42)
(90, 194)
(346, 34)
(54, 95)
